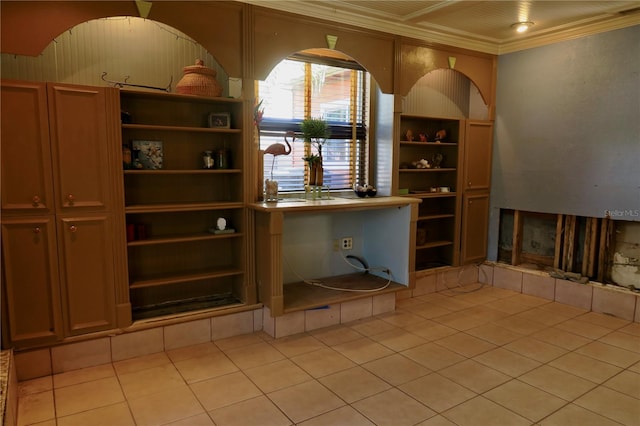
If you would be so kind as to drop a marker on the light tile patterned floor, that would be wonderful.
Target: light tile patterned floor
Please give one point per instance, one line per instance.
(484, 357)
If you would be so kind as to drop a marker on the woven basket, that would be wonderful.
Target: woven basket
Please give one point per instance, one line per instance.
(199, 80)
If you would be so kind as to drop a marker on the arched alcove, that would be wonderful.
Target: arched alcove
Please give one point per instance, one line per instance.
(28, 27)
(139, 51)
(445, 93)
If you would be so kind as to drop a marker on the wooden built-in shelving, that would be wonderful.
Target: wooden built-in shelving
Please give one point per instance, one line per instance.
(437, 228)
(175, 262)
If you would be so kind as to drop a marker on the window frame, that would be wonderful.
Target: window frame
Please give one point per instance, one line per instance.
(354, 133)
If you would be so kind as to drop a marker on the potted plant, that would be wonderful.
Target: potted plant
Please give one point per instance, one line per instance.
(315, 132)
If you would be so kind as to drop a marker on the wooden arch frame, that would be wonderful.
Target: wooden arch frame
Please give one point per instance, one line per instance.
(417, 61)
(27, 28)
(277, 35)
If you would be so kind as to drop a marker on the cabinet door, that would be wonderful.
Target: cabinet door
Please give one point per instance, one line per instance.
(477, 155)
(475, 222)
(79, 142)
(31, 289)
(26, 155)
(86, 273)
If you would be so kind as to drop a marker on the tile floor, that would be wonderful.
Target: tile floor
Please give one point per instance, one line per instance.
(489, 357)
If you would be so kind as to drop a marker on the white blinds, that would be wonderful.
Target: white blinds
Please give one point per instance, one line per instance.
(297, 90)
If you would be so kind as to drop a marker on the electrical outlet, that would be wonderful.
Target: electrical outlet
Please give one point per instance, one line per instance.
(346, 243)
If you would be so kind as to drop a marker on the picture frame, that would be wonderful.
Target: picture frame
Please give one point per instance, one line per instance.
(147, 154)
(220, 120)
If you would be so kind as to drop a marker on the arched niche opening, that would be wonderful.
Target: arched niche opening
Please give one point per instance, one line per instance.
(445, 93)
(141, 52)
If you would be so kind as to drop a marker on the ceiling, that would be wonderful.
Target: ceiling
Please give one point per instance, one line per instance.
(478, 25)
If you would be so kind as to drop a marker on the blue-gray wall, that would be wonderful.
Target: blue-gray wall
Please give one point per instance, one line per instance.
(567, 129)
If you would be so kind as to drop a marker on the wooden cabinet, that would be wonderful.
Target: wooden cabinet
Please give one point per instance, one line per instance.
(452, 226)
(57, 234)
(429, 170)
(475, 220)
(178, 261)
(477, 155)
(27, 176)
(78, 123)
(478, 149)
(31, 286)
(86, 273)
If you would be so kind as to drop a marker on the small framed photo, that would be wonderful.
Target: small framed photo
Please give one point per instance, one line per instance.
(147, 155)
(221, 120)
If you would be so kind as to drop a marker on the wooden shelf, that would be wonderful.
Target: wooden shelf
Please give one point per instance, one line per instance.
(441, 169)
(427, 194)
(182, 239)
(176, 205)
(422, 144)
(163, 96)
(179, 128)
(181, 172)
(436, 216)
(181, 207)
(177, 279)
(219, 303)
(301, 296)
(433, 244)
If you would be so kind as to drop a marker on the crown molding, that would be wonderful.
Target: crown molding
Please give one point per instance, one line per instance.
(570, 34)
(377, 24)
(447, 37)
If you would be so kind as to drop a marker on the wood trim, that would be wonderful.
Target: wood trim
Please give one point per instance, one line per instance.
(557, 258)
(607, 228)
(418, 60)
(537, 259)
(114, 139)
(517, 238)
(568, 253)
(589, 250)
(279, 34)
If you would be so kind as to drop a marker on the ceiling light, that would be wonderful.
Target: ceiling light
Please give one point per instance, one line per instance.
(522, 26)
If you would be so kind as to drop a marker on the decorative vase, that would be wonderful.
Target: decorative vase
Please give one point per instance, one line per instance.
(199, 80)
(270, 190)
(316, 174)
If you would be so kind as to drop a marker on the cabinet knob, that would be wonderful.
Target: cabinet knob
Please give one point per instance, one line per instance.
(35, 200)
(73, 228)
(36, 230)
(71, 198)
(469, 183)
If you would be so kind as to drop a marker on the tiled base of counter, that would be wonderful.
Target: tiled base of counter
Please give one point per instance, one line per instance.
(148, 340)
(595, 297)
(606, 299)
(339, 313)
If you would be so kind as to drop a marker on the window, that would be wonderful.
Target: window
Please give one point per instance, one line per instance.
(303, 87)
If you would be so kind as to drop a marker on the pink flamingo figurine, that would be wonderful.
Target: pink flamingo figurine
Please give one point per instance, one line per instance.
(279, 149)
